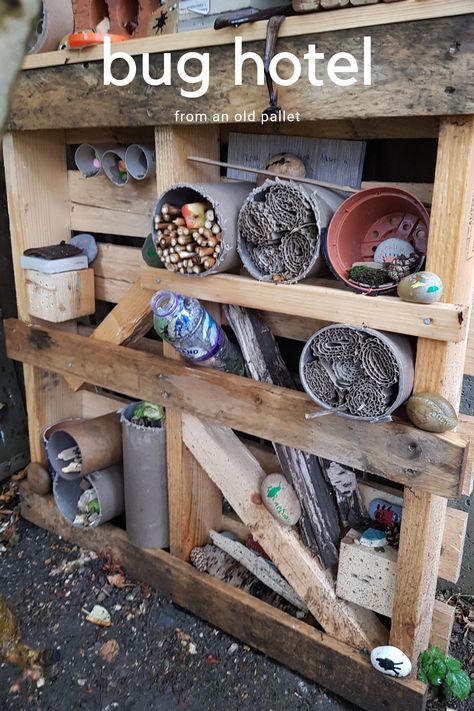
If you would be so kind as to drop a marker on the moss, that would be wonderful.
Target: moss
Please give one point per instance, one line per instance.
(369, 276)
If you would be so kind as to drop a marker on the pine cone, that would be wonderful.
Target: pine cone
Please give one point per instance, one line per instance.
(402, 266)
(392, 534)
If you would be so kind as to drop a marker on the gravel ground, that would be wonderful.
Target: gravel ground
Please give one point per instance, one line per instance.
(154, 657)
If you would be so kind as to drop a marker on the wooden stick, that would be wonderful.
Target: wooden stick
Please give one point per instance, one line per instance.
(271, 174)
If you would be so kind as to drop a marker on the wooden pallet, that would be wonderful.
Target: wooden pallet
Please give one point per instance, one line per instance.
(46, 201)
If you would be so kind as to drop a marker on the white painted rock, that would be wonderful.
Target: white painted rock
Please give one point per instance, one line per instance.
(391, 661)
(280, 499)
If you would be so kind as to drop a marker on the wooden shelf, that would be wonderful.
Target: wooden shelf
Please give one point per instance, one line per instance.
(444, 322)
(395, 450)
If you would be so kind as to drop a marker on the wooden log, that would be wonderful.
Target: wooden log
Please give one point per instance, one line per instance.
(238, 475)
(439, 368)
(393, 450)
(292, 642)
(319, 522)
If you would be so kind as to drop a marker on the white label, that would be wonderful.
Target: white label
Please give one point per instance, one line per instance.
(200, 7)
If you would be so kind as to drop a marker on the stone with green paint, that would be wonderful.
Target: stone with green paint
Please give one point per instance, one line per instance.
(280, 499)
(421, 288)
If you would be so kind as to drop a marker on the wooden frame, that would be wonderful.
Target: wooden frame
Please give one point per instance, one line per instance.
(116, 357)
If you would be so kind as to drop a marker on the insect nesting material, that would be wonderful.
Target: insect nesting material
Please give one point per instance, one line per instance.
(279, 233)
(360, 373)
(187, 237)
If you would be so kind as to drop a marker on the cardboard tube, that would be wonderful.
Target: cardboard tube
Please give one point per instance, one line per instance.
(110, 161)
(55, 21)
(226, 200)
(99, 442)
(140, 161)
(108, 485)
(323, 202)
(146, 483)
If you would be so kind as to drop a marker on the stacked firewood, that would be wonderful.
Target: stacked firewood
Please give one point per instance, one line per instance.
(187, 238)
(312, 5)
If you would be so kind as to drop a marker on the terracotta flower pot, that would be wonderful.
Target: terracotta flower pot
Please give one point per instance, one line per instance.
(364, 221)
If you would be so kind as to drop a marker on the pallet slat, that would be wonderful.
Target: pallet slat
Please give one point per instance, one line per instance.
(394, 450)
(436, 321)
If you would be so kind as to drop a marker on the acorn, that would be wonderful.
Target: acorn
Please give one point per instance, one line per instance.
(420, 288)
(431, 412)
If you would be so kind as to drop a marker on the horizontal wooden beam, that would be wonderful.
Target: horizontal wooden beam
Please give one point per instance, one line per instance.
(291, 642)
(426, 79)
(307, 24)
(395, 450)
(444, 322)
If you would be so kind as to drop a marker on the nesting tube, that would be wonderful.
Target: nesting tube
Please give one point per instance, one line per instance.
(140, 161)
(226, 200)
(55, 21)
(108, 487)
(98, 442)
(281, 226)
(146, 483)
(46, 435)
(113, 165)
(88, 159)
(359, 372)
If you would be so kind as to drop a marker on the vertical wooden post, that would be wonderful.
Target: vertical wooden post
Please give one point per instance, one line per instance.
(195, 503)
(38, 206)
(439, 368)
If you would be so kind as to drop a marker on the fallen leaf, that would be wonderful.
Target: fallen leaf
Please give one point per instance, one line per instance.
(182, 635)
(99, 616)
(117, 580)
(109, 650)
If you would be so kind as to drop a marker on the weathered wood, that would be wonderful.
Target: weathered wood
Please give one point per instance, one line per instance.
(238, 475)
(403, 67)
(352, 18)
(320, 299)
(127, 322)
(195, 503)
(116, 269)
(439, 368)
(319, 523)
(60, 297)
(394, 450)
(294, 643)
(36, 178)
(442, 625)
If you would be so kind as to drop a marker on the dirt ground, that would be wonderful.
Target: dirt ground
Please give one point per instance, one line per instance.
(154, 657)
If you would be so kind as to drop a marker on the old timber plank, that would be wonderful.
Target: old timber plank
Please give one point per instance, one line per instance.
(289, 641)
(394, 450)
(423, 76)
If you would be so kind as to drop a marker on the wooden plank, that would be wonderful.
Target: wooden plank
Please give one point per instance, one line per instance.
(85, 218)
(293, 26)
(289, 641)
(127, 322)
(97, 404)
(454, 528)
(195, 504)
(403, 68)
(423, 191)
(116, 269)
(60, 297)
(442, 625)
(466, 428)
(439, 368)
(121, 134)
(238, 475)
(36, 176)
(136, 197)
(309, 299)
(395, 450)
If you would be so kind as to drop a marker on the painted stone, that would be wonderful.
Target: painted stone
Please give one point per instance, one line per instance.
(373, 538)
(420, 288)
(280, 499)
(284, 164)
(431, 412)
(384, 513)
(391, 661)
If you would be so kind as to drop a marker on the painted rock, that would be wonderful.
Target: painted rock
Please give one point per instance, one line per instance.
(420, 288)
(431, 412)
(38, 478)
(391, 661)
(280, 499)
(373, 538)
(384, 512)
(284, 164)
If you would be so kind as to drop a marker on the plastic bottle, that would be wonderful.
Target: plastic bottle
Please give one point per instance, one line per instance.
(191, 330)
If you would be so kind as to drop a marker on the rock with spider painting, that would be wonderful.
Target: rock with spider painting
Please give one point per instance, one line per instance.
(391, 661)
